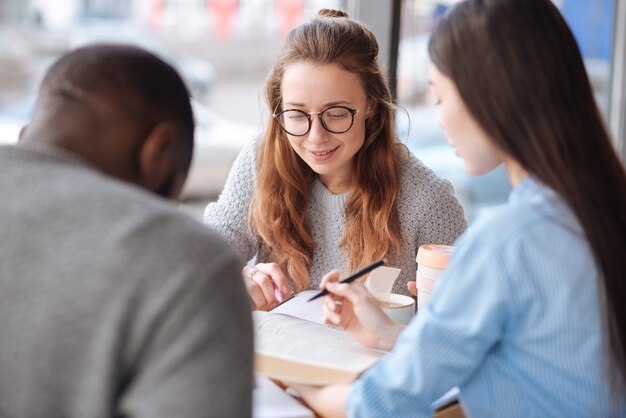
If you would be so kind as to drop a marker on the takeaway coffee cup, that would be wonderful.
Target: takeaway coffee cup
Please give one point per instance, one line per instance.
(400, 308)
(432, 260)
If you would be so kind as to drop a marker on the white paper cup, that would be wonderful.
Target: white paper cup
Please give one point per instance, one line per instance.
(426, 279)
(400, 308)
(432, 260)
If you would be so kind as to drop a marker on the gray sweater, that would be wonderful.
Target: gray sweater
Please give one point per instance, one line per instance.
(429, 213)
(112, 303)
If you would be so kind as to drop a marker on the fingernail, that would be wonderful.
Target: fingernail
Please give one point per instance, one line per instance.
(278, 295)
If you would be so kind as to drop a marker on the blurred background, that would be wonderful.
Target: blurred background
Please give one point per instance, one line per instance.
(225, 48)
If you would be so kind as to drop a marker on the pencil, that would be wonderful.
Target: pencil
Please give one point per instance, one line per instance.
(353, 277)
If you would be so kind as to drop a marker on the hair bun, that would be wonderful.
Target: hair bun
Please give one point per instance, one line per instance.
(332, 13)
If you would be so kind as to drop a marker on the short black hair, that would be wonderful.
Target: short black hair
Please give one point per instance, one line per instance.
(145, 85)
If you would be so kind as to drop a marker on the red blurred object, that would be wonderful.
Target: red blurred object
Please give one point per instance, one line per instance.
(224, 16)
(290, 14)
(155, 14)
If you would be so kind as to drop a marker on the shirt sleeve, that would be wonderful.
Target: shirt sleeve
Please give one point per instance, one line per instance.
(445, 344)
(229, 215)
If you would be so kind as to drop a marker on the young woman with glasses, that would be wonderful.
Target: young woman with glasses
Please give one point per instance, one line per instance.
(330, 185)
(529, 319)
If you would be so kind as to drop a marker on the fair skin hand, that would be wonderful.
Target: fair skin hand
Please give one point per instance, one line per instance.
(412, 286)
(327, 401)
(263, 282)
(354, 309)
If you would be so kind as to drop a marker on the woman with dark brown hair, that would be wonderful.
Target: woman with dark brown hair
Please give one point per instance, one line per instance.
(529, 319)
(330, 185)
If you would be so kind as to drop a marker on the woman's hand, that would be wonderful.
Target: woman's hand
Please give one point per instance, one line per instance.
(353, 308)
(267, 285)
(412, 286)
(326, 401)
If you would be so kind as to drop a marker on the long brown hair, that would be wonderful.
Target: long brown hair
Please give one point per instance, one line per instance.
(518, 69)
(279, 210)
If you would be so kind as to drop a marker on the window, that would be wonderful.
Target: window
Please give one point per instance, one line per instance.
(592, 24)
(224, 49)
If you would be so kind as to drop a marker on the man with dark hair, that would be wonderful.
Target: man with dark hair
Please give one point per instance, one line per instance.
(111, 302)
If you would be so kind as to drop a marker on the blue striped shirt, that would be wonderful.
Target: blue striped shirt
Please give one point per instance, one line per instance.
(514, 323)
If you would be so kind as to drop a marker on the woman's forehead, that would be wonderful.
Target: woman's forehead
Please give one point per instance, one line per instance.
(308, 84)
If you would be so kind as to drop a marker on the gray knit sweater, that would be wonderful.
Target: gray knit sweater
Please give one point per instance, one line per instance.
(112, 303)
(429, 213)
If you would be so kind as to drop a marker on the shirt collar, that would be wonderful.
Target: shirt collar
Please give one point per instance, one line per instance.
(54, 153)
(530, 188)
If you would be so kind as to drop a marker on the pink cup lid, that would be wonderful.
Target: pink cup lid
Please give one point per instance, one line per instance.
(433, 255)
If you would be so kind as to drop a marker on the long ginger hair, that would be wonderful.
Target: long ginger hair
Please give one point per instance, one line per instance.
(279, 209)
(518, 69)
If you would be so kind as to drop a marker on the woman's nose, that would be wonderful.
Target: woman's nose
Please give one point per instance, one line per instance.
(317, 132)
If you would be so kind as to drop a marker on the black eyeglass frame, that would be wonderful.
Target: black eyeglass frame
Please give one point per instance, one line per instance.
(310, 115)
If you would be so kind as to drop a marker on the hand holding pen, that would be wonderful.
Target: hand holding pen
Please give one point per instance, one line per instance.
(354, 309)
(267, 285)
(353, 277)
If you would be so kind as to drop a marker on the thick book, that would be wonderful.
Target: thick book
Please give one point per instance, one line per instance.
(291, 348)
(292, 345)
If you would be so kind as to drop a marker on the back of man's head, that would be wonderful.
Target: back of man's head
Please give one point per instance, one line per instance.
(123, 109)
(108, 297)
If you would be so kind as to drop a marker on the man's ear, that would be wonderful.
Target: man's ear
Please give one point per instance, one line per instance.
(157, 157)
(22, 133)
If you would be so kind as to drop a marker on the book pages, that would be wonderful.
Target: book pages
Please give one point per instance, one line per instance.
(311, 346)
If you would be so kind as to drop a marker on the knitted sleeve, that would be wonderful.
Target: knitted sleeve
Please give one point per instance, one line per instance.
(229, 215)
(431, 201)
(444, 219)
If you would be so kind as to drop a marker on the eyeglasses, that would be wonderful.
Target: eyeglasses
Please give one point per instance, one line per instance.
(335, 119)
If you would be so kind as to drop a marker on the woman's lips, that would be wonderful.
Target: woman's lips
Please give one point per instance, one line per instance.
(323, 155)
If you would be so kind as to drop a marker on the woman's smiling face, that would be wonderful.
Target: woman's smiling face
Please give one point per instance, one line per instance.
(314, 88)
